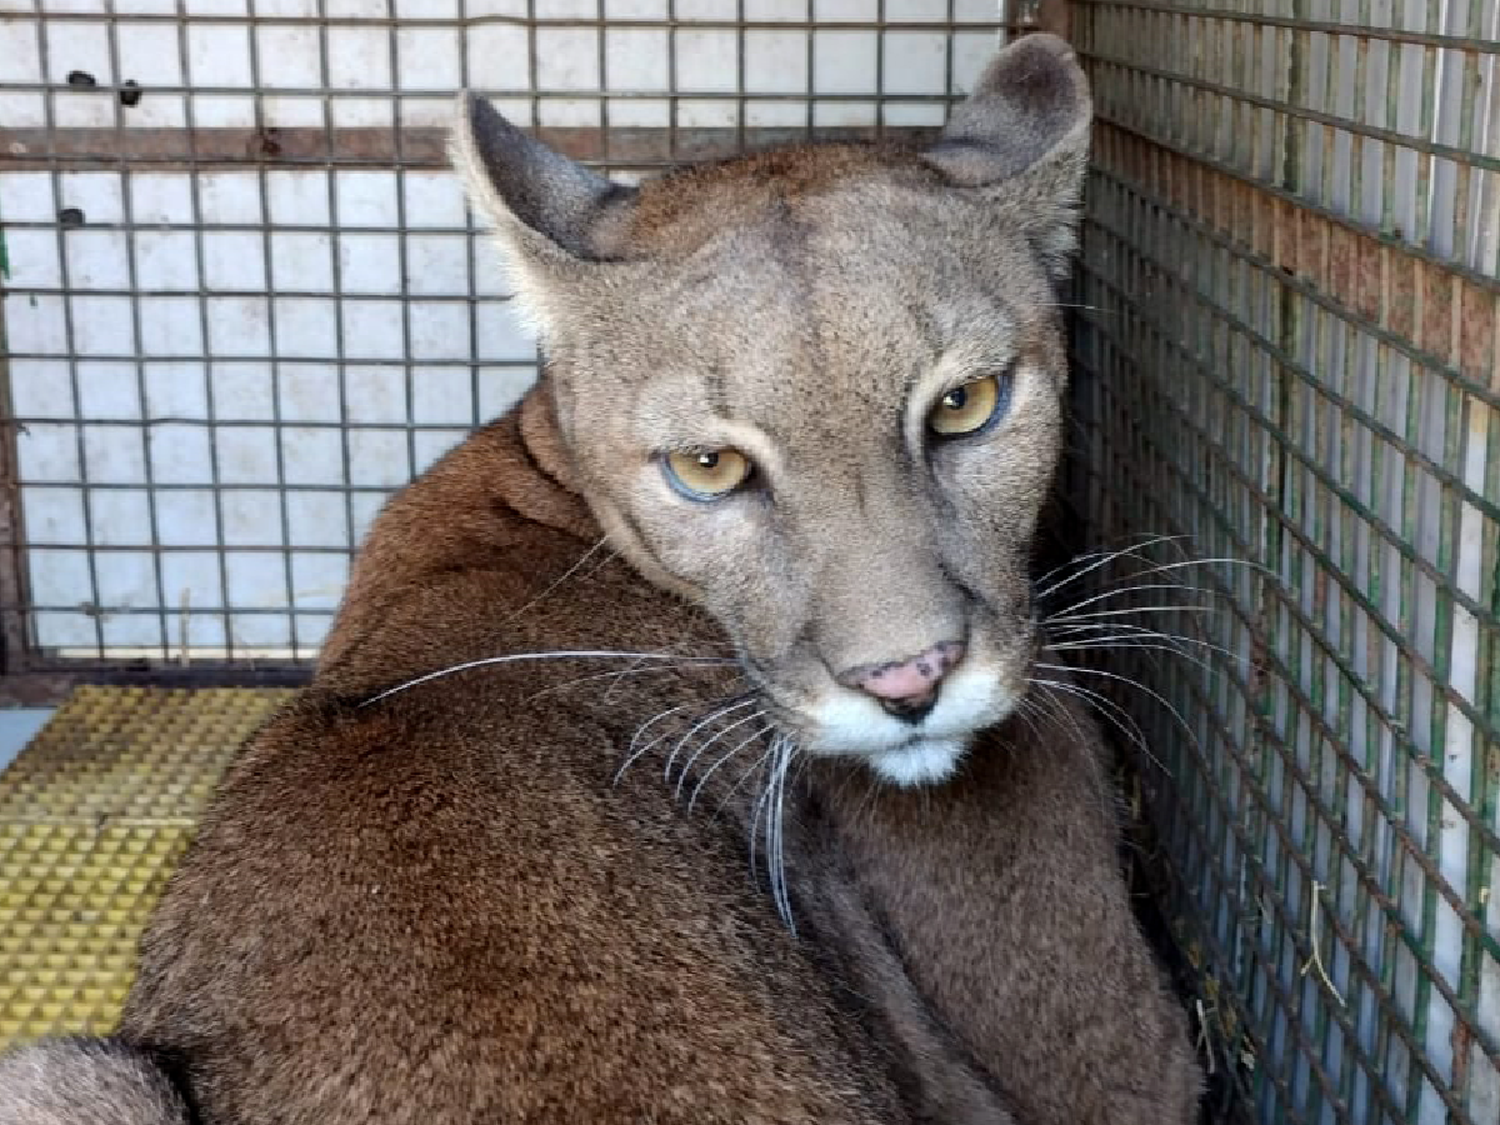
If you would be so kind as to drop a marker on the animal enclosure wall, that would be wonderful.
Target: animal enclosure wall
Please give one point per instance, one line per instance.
(1287, 355)
(244, 300)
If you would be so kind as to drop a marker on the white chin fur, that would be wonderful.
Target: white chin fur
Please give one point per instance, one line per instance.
(904, 754)
(927, 762)
(847, 722)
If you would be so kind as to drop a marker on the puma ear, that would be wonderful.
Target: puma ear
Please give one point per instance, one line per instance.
(1025, 131)
(546, 209)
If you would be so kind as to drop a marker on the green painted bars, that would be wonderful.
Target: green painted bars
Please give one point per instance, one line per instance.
(1286, 355)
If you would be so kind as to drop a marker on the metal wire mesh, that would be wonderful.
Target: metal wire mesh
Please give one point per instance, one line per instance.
(244, 299)
(1287, 355)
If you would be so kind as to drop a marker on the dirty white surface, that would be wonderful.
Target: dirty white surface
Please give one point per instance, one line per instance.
(239, 376)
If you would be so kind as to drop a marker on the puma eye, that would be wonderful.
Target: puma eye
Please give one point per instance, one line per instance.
(970, 408)
(706, 474)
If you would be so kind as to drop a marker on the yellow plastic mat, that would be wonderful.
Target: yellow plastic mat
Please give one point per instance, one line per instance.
(94, 815)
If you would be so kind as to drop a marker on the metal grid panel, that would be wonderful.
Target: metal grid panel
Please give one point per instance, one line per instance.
(1287, 354)
(244, 299)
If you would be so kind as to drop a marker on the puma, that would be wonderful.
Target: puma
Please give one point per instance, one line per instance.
(676, 755)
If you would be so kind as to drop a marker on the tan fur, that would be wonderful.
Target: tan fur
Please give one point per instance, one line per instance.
(445, 906)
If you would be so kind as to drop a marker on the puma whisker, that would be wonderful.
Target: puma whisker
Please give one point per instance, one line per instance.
(491, 661)
(770, 806)
(638, 749)
(1121, 719)
(728, 756)
(748, 700)
(1083, 565)
(565, 575)
(682, 775)
(615, 677)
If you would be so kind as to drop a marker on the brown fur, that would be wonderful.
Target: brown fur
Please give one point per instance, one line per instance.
(446, 905)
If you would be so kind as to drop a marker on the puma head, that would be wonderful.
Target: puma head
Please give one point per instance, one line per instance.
(818, 391)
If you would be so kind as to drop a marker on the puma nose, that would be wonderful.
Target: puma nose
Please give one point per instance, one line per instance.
(906, 688)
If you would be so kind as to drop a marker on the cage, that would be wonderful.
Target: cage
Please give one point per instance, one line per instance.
(243, 301)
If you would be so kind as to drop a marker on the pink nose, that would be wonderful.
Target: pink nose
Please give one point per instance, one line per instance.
(909, 687)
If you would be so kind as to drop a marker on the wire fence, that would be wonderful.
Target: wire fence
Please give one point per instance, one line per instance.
(1287, 356)
(244, 299)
